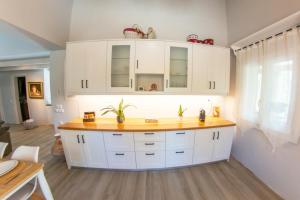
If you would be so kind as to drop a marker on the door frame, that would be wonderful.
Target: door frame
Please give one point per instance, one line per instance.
(2, 114)
(15, 92)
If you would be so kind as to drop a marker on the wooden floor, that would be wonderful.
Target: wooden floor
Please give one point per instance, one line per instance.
(222, 180)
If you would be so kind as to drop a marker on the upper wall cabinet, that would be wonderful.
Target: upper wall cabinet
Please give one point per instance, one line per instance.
(120, 66)
(178, 67)
(85, 68)
(211, 70)
(150, 57)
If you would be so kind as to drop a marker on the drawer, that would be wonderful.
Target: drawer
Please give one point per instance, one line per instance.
(150, 146)
(179, 140)
(121, 160)
(149, 136)
(180, 157)
(150, 159)
(117, 141)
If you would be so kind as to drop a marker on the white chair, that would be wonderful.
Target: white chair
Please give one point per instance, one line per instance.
(26, 153)
(3, 146)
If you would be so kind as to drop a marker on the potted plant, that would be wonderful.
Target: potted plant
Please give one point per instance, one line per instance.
(181, 111)
(119, 111)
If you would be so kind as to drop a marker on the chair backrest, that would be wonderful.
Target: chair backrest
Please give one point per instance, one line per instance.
(26, 153)
(3, 146)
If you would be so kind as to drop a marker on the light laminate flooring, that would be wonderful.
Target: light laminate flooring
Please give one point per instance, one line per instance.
(221, 180)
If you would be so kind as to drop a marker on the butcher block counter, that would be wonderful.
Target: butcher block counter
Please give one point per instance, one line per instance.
(139, 124)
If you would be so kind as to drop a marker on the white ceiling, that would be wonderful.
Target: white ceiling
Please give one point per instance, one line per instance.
(16, 44)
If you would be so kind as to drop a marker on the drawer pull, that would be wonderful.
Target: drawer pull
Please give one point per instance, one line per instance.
(148, 144)
(179, 151)
(117, 134)
(180, 133)
(119, 154)
(148, 133)
(149, 154)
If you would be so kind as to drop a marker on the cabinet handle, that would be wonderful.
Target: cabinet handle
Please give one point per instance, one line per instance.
(149, 154)
(179, 151)
(180, 133)
(148, 133)
(81, 83)
(218, 135)
(137, 64)
(130, 83)
(209, 84)
(213, 135)
(167, 83)
(82, 137)
(78, 140)
(119, 154)
(86, 84)
(117, 134)
(148, 144)
(214, 84)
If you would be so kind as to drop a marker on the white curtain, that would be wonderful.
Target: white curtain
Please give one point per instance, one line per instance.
(268, 87)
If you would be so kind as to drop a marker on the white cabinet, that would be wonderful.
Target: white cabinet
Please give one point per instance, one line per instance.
(121, 160)
(119, 141)
(211, 70)
(179, 157)
(212, 144)
(150, 57)
(179, 139)
(120, 66)
(223, 143)
(150, 159)
(85, 68)
(84, 149)
(178, 67)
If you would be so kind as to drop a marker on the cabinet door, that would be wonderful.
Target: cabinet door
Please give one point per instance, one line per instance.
(150, 57)
(75, 73)
(223, 143)
(179, 157)
(120, 66)
(211, 68)
(119, 141)
(178, 67)
(150, 159)
(220, 70)
(94, 149)
(73, 149)
(179, 139)
(204, 146)
(95, 82)
(121, 160)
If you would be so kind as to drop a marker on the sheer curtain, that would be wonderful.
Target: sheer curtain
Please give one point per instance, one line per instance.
(268, 87)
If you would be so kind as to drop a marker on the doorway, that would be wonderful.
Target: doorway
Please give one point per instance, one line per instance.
(22, 96)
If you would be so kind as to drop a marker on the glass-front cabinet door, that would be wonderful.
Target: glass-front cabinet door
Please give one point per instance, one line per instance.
(178, 67)
(120, 66)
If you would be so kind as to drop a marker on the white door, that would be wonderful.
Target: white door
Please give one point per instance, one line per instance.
(223, 143)
(75, 68)
(96, 67)
(73, 148)
(204, 146)
(178, 67)
(94, 149)
(150, 57)
(120, 66)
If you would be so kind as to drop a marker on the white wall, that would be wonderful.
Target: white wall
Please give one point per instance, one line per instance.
(47, 19)
(279, 169)
(37, 108)
(246, 17)
(171, 19)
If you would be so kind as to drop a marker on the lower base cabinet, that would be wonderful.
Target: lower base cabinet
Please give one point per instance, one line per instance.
(121, 160)
(121, 150)
(150, 159)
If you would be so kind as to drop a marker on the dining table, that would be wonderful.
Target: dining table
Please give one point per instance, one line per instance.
(23, 173)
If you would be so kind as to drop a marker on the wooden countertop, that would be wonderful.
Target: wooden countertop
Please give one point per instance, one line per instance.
(139, 125)
(17, 176)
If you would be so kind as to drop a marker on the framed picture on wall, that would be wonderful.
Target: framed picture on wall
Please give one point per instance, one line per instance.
(36, 90)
